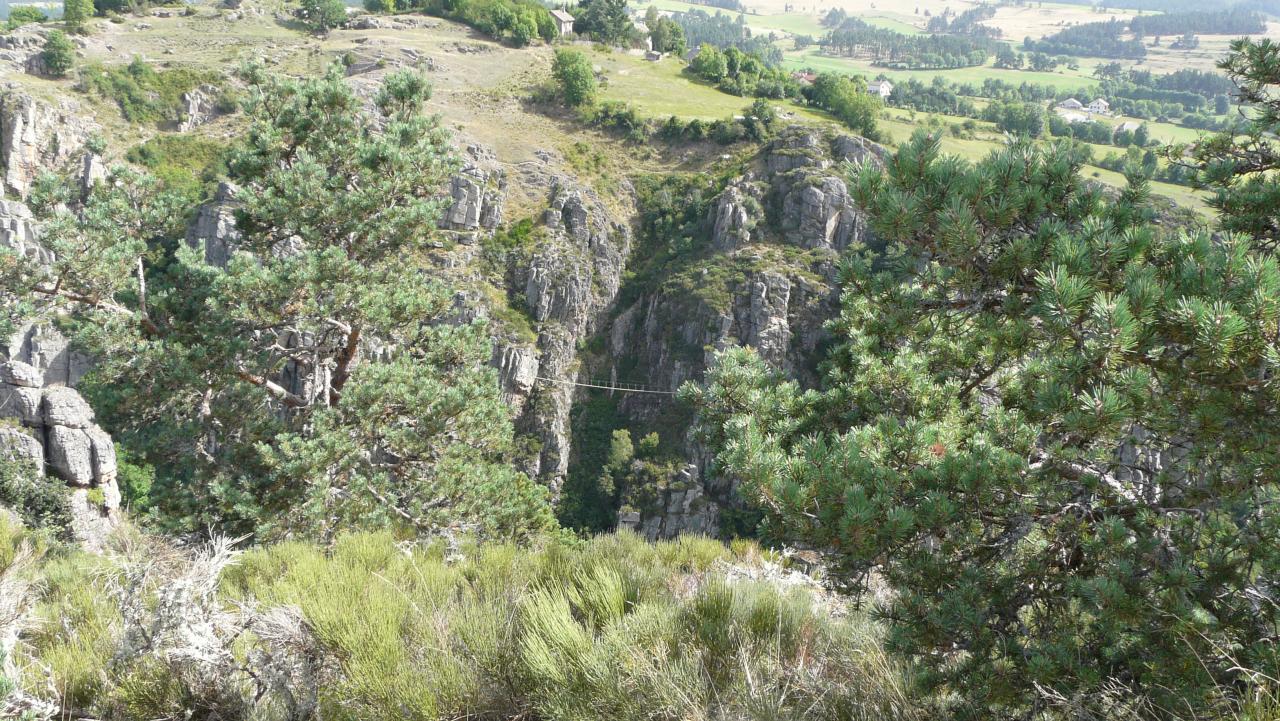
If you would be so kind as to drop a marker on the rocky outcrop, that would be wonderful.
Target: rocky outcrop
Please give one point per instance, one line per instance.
(18, 232)
(38, 344)
(35, 136)
(213, 230)
(476, 194)
(199, 106)
(51, 430)
(569, 284)
(775, 301)
(736, 212)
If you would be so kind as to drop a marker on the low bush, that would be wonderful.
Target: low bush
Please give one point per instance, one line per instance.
(612, 628)
(144, 94)
(184, 163)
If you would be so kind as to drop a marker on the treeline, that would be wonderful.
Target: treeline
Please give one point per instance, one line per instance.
(733, 5)
(720, 30)
(968, 22)
(1136, 94)
(739, 73)
(519, 22)
(890, 49)
(1236, 21)
(1101, 40)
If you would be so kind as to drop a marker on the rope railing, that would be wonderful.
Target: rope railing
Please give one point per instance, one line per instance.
(609, 386)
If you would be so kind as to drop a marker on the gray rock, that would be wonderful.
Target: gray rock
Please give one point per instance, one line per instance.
(733, 216)
(103, 457)
(44, 347)
(18, 232)
(92, 172)
(36, 136)
(69, 453)
(19, 446)
(214, 228)
(64, 407)
(22, 404)
(199, 106)
(17, 373)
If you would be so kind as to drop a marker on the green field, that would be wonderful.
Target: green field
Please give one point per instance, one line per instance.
(660, 89)
(810, 58)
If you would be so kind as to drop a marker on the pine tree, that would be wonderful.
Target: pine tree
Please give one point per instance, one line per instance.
(1050, 426)
(1238, 165)
(76, 14)
(316, 380)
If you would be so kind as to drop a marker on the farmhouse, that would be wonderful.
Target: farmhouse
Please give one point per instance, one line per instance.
(564, 21)
(1099, 106)
(804, 78)
(1071, 104)
(1129, 127)
(881, 88)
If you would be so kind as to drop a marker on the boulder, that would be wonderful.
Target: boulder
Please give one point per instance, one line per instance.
(17, 373)
(21, 404)
(19, 446)
(64, 407)
(70, 455)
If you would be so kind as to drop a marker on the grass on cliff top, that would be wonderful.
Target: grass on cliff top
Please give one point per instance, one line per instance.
(609, 629)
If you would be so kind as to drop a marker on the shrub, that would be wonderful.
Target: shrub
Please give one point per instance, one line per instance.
(187, 164)
(614, 629)
(75, 15)
(321, 16)
(40, 501)
(144, 94)
(25, 15)
(574, 76)
(59, 54)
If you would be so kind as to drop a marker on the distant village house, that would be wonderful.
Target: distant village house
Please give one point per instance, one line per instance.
(1071, 104)
(564, 21)
(881, 88)
(804, 78)
(1100, 106)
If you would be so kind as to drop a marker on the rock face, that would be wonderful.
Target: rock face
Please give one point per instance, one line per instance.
(570, 282)
(39, 344)
(775, 302)
(213, 230)
(34, 136)
(18, 232)
(53, 430)
(476, 194)
(199, 106)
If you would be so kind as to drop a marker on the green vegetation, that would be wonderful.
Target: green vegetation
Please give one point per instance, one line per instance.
(518, 21)
(143, 93)
(76, 14)
(614, 629)
(573, 74)
(59, 54)
(41, 502)
(183, 163)
(358, 189)
(321, 16)
(1045, 426)
(24, 15)
(604, 21)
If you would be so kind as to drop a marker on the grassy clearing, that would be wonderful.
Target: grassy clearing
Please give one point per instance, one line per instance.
(660, 90)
